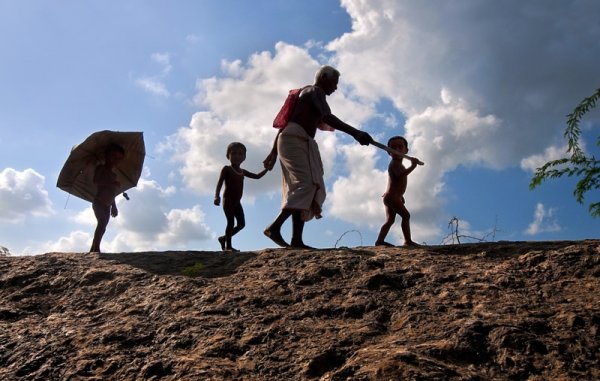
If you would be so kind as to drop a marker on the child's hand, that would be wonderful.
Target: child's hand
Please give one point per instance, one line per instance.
(217, 200)
(415, 161)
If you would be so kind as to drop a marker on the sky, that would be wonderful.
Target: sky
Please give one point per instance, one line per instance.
(479, 88)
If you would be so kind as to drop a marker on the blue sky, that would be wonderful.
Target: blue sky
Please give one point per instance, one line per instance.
(479, 88)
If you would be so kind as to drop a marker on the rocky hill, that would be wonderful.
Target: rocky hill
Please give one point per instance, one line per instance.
(490, 311)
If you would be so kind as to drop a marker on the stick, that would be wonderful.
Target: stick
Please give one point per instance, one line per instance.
(391, 150)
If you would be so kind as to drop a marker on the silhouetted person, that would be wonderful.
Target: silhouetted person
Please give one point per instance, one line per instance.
(303, 190)
(393, 198)
(233, 178)
(104, 204)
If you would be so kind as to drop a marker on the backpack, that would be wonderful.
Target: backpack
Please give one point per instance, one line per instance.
(285, 113)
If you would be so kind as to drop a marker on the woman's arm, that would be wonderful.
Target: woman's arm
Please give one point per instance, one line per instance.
(362, 137)
(269, 162)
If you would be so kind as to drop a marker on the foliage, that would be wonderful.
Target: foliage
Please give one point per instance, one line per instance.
(578, 164)
(4, 252)
(194, 270)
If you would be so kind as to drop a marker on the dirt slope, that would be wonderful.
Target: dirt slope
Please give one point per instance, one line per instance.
(495, 311)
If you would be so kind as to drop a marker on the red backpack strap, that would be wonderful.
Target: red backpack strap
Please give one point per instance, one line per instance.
(285, 113)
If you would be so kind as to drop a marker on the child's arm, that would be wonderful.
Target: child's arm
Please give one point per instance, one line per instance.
(217, 200)
(398, 170)
(113, 210)
(413, 164)
(255, 175)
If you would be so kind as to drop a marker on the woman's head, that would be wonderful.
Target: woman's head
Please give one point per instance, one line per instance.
(327, 78)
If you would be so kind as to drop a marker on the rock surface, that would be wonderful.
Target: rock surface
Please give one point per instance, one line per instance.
(490, 311)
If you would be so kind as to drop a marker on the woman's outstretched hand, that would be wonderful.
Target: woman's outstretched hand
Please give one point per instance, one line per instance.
(363, 138)
(270, 161)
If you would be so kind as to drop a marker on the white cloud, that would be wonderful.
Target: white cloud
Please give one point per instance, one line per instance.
(77, 241)
(544, 221)
(155, 84)
(533, 162)
(480, 84)
(145, 212)
(22, 194)
(522, 63)
(241, 107)
(180, 228)
(164, 61)
(145, 222)
(85, 217)
(357, 196)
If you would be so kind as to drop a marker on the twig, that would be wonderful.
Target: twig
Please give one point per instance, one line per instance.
(348, 231)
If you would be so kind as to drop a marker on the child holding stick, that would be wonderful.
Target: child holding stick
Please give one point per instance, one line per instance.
(393, 198)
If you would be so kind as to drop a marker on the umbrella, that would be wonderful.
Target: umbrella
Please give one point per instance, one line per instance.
(77, 175)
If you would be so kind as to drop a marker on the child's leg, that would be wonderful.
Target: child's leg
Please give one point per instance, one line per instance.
(403, 212)
(390, 217)
(102, 213)
(235, 213)
(240, 218)
(230, 217)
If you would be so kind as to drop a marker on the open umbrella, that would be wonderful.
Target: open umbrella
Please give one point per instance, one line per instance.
(77, 175)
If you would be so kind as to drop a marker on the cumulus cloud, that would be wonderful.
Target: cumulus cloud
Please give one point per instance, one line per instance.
(77, 241)
(146, 222)
(357, 196)
(513, 62)
(479, 84)
(533, 162)
(240, 106)
(22, 194)
(544, 221)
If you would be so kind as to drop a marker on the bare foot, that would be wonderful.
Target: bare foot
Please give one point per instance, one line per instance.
(383, 243)
(301, 246)
(411, 243)
(222, 242)
(276, 237)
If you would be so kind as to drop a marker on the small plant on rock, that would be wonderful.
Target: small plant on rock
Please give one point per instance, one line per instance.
(194, 270)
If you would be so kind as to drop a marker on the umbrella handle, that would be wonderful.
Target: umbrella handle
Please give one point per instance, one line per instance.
(391, 150)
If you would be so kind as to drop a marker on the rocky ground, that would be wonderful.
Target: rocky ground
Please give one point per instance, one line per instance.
(490, 311)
